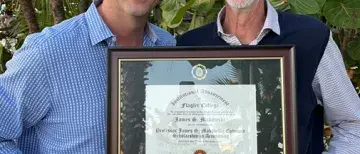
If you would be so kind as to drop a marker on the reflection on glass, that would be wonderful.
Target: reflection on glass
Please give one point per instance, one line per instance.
(149, 87)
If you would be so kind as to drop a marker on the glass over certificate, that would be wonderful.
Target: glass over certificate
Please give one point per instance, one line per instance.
(208, 100)
(203, 117)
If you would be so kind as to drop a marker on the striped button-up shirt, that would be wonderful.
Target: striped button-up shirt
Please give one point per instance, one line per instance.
(331, 85)
(53, 94)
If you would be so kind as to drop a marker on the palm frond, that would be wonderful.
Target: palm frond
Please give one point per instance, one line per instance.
(71, 8)
(228, 77)
(43, 13)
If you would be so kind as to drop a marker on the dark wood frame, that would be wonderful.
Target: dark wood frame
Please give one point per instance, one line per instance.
(286, 52)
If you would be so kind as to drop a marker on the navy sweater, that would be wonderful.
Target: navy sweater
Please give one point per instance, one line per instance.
(310, 38)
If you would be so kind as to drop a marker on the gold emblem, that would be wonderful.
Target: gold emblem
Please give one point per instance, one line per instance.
(199, 72)
(199, 152)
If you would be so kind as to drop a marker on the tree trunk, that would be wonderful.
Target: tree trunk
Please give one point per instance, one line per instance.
(57, 11)
(29, 15)
(83, 5)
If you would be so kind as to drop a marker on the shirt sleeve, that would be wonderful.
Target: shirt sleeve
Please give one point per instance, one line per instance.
(335, 92)
(24, 96)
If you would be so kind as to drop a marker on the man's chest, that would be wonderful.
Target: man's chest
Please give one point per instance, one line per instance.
(78, 82)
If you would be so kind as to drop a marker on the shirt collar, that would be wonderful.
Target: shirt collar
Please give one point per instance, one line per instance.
(99, 31)
(271, 21)
(97, 28)
(150, 32)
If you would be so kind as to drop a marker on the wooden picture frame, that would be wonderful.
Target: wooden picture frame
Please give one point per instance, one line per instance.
(281, 57)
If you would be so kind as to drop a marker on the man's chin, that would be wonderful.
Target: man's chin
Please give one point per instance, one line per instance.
(139, 12)
(240, 4)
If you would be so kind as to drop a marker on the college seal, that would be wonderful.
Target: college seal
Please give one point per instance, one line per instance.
(199, 72)
(199, 152)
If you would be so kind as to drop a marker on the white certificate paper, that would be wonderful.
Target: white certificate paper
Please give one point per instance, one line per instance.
(191, 119)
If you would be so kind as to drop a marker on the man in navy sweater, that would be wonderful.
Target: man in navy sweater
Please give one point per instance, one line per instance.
(321, 75)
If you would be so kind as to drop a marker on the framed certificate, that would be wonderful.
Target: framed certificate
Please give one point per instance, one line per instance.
(202, 100)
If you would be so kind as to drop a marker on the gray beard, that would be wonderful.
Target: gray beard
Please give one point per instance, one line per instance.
(240, 5)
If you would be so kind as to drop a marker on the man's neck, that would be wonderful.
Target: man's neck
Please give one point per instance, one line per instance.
(245, 24)
(129, 30)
